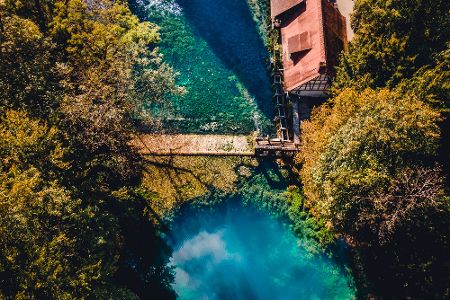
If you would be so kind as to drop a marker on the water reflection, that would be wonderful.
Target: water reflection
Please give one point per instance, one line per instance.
(238, 252)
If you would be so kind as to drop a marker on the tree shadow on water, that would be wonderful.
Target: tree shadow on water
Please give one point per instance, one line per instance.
(229, 29)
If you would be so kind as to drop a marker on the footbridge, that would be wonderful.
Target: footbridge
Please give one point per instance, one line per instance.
(210, 145)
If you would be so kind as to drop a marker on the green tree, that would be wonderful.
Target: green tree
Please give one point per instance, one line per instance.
(93, 63)
(51, 244)
(367, 169)
(356, 146)
(393, 39)
(37, 11)
(432, 83)
(25, 65)
(110, 74)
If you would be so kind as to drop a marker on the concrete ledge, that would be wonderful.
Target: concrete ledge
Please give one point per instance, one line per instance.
(194, 145)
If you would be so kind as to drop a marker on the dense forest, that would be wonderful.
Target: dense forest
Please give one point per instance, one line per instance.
(76, 77)
(374, 159)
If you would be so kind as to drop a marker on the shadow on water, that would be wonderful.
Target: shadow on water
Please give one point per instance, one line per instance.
(228, 28)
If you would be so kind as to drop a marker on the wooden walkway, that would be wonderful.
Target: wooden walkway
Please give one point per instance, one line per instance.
(274, 147)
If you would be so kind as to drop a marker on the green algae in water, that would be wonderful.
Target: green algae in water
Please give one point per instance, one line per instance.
(222, 61)
(232, 245)
(234, 251)
(240, 252)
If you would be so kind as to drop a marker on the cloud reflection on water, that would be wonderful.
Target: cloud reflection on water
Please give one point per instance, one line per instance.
(243, 254)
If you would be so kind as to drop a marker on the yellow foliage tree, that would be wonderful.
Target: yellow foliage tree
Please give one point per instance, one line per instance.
(51, 243)
(356, 144)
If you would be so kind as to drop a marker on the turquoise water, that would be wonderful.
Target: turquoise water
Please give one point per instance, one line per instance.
(232, 250)
(222, 62)
(239, 252)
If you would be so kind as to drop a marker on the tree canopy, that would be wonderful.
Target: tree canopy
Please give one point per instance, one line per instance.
(52, 244)
(75, 80)
(375, 156)
(355, 146)
(368, 171)
(393, 39)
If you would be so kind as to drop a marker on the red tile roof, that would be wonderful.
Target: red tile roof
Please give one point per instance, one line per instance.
(308, 35)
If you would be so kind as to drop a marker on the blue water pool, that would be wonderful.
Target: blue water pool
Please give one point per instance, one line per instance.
(239, 252)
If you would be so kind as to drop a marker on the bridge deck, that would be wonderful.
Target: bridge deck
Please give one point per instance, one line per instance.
(268, 147)
(194, 145)
(210, 145)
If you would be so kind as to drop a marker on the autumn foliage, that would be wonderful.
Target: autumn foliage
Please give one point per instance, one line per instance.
(75, 79)
(374, 158)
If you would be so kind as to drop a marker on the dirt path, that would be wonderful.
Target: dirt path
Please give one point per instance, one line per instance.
(194, 144)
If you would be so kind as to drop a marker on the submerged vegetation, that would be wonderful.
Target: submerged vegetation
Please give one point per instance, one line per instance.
(223, 71)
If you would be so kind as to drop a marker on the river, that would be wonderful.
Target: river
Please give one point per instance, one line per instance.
(235, 244)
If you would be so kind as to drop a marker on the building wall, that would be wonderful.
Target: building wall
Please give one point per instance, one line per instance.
(335, 34)
(346, 8)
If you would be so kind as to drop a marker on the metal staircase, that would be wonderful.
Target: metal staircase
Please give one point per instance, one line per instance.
(279, 96)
